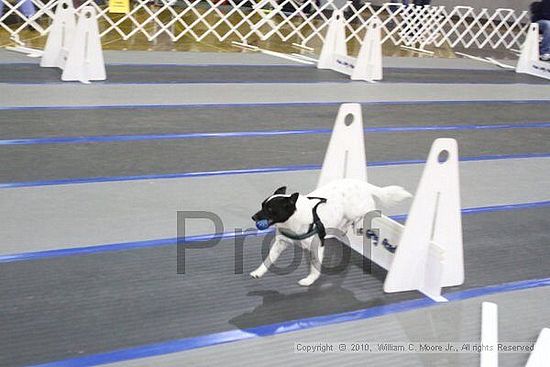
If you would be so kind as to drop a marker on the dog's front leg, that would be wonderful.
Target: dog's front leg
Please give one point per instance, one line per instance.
(316, 254)
(276, 249)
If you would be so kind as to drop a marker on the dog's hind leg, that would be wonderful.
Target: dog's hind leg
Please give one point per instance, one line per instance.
(316, 260)
(276, 249)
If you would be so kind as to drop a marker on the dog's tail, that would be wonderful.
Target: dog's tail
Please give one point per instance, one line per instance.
(391, 195)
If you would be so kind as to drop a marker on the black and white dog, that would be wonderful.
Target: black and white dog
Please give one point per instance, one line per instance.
(334, 206)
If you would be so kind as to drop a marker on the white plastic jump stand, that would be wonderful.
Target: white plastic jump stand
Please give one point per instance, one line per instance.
(345, 156)
(335, 41)
(541, 353)
(489, 335)
(85, 61)
(369, 60)
(529, 62)
(429, 250)
(334, 55)
(60, 36)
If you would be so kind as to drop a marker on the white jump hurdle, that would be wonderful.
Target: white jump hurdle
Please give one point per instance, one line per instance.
(541, 353)
(488, 357)
(75, 47)
(539, 357)
(334, 54)
(529, 62)
(60, 37)
(429, 250)
(85, 61)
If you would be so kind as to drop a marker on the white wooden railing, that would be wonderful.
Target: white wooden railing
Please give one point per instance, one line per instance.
(285, 20)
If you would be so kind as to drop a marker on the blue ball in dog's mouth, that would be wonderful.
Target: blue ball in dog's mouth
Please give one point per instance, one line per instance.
(262, 224)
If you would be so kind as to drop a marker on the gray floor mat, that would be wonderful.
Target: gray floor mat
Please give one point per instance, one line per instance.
(173, 74)
(60, 161)
(521, 317)
(79, 305)
(90, 122)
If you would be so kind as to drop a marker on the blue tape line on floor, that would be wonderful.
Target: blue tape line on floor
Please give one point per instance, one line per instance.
(272, 104)
(181, 345)
(122, 246)
(26, 256)
(85, 180)
(270, 133)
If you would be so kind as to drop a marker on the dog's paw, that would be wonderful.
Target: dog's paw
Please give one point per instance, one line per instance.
(306, 282)
(256, 274)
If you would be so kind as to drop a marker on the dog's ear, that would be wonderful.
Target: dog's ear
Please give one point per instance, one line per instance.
(280, 191)
(294, 198)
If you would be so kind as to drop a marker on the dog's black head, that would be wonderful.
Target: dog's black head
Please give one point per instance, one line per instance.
(277, 208)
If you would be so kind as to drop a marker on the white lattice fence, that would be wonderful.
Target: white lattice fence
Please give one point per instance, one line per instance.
(466, 27)
(284, 20)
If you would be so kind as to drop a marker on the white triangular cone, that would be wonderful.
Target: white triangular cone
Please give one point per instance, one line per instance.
(368, 66)
(541, 353)
(335, 41)
(529, 62)
(430, 253)
(529, 50)
(345, 157)
(60, 36)
(85, 61)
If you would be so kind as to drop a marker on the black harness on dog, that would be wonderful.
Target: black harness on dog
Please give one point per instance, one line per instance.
(315, 228)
